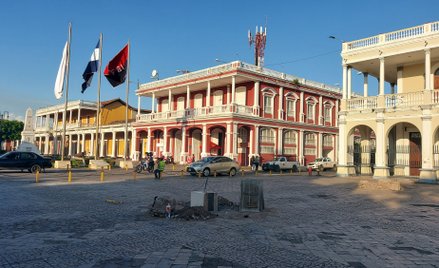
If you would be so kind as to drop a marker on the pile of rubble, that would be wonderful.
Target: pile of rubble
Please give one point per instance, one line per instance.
(170, 208)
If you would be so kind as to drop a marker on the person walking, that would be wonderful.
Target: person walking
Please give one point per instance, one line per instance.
(252, 162)
(160, 168)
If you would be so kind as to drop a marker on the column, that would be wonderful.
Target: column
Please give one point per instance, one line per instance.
(208, 94)
(281, 103)
(228, 139)
(381, 85)
(101, 150)
(233, 89)
(83, 144)
(302, 101)
(256, 141)
(301, 147)
(153, 103)
(381, 169)
(148, 143)
(365, 84)
(70, 143)
(251, 138)
(399, 81)
(345, 75)
(349, 82)
(427, 69)
(228, 94)
(183, 153)
(165, 141)
(204, 141)
(113, 144)
(280, 135)
(235, 141)
(169, 100)
(79, 117)
(46, 144)
(343, 169)
(320, 144)
(138, 105)
(188, 97)
(134, 153)
(256, 98)
(71, 114)
(428, 174)
(78, 144)
(92, 144)
(321, 117)
(47, 121)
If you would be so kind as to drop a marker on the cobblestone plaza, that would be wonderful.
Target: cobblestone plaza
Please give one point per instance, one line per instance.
(309, 221)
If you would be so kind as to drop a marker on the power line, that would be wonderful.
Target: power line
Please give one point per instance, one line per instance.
(303, 59)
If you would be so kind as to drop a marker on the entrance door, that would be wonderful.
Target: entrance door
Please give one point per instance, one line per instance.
(436, 79)
(415, 153)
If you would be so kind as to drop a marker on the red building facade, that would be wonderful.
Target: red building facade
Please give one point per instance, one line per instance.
(238, 110)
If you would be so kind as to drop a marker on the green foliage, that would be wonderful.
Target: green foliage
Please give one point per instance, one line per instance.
(296, 82)
(11, 129)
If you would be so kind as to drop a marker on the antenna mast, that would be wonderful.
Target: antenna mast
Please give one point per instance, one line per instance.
(259, 40)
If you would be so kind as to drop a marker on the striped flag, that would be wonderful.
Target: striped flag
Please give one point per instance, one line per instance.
(59, 83)
(116, 69)
(92, 67)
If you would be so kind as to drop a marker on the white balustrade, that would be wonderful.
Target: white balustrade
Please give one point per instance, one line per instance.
(405, 33)
(362, 103)
(404, 100)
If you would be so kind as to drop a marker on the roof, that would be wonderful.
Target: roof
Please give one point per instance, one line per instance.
(108, 102)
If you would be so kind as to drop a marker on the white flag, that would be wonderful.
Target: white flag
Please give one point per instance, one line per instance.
(59, 83)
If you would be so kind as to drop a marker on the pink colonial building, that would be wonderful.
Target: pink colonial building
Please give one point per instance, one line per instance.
(238, 110)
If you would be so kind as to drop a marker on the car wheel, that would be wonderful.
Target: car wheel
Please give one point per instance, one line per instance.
(35, 168)
(206, 172)
(139, 169)
(295, 169)
(232, 172)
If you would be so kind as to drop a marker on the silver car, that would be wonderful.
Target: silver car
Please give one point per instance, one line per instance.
(214, 164)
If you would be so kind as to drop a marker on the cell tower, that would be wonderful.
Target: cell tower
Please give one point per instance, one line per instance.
(259, 40)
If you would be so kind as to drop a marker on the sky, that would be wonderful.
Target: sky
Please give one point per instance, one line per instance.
(182, 35)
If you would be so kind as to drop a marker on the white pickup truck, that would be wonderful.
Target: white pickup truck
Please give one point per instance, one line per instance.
(280, 163)
(322, 164)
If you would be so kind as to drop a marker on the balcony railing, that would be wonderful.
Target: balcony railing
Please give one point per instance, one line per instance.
(408, 33)
(192, 113)
(394, 101)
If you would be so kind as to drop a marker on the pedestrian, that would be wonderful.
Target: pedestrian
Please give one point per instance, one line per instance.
(252, 162)
(256, 162)
(160, 168)
(168, 211)
(193, 158)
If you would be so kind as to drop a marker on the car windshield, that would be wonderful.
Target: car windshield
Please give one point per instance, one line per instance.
(319, 160)
(206, 159)
(5, 156)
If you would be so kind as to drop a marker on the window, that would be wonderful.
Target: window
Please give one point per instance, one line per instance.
(291, 107)
(240, 95)
(310, 110)
(289, 150)
(180, 103)
(327, 141)
(268, 104)
(310, 139)
(198, 101)
(267, 135)
(164, 105)
(327, 113)
(290, 137)
(218, 98)
(267, 149)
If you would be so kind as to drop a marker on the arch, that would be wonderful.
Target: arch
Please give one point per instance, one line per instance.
(241, 95)
(361, 147)
(292, 95)
(217, 138)
(243, 145)
(195, 143)
(269, 90)
(436, 78)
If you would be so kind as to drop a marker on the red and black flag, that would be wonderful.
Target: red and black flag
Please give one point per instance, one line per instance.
(116, 69)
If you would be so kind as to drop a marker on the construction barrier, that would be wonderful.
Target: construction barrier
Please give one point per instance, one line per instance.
(37, 176)
(102, 174)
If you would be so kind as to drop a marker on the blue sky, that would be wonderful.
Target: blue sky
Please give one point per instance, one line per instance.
(172, 35)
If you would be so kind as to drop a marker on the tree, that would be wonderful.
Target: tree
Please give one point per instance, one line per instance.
(10, 130)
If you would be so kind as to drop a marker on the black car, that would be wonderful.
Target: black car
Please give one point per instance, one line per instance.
(24, 160)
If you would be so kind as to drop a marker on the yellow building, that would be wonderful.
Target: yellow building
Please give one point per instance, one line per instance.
(81, 128)
(403, 117)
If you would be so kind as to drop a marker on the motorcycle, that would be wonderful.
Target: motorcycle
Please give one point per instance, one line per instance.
(144, 166)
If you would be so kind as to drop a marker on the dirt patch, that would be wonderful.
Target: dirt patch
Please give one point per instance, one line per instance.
(382, 184)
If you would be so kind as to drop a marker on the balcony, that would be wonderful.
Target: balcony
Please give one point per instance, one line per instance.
(198, 113)
(393, 102)
(392, 37)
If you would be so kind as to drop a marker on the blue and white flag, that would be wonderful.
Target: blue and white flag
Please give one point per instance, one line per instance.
(59, 83)
(92, 67)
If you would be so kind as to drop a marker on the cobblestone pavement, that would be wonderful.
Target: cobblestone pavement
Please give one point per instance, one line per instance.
(309, 221)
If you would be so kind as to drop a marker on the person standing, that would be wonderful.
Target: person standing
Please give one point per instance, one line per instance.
(256, 162)
(252, 162)
(160, 168)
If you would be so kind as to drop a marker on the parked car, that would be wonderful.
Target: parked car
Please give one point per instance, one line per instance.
(24, 160)
(322, 163)
(211, 164)
(281, 163)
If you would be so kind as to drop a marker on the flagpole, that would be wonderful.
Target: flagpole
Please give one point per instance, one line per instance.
(63, 138)
(96, 144)
(126, 106)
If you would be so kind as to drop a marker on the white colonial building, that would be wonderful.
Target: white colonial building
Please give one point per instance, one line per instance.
(396, 131)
